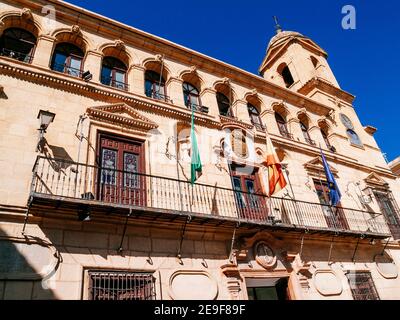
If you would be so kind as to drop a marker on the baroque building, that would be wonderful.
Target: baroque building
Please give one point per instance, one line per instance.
(95, 195)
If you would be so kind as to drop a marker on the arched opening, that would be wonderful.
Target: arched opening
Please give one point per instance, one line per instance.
(224, 105)
(18, 44)
(255, 117)
(191, 96)
(68, 58)
(354, 138)
(155, 85)
(113, 73)
(282, 126)
(306, 134)
(287, 77)
(314, 61)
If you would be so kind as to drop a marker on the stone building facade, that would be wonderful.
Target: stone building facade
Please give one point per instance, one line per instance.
(95, 193)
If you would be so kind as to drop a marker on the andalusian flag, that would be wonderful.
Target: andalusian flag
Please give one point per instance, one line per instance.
(196, 167)
(276, 178)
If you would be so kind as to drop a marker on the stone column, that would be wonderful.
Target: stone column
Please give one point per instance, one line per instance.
(136, 79)
(43, 51)
(208, 99)
(175, 91)
(240, 111)
(268, 119)
(92, 63)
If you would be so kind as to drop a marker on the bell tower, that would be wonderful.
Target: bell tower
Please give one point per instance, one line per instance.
(292, 60)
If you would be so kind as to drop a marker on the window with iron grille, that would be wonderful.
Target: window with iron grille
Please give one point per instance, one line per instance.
(362, 286)
(121, 285)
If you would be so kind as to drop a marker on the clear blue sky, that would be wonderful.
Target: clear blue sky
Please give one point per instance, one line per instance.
(366, 61)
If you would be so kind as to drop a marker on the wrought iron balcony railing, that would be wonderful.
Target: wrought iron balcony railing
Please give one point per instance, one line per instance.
(287, 135)
(158, 96)
(310, 142)
(109, 81)
(196, 107)
(65, 180)
(60, 67)
(27, 58)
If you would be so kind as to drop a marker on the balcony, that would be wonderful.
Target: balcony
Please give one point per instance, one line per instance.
(16, 55)
(310, 142)
(59, 186)
(109, 81)
(157, 96)
(196, 107)
(287, 135)
(64, 68)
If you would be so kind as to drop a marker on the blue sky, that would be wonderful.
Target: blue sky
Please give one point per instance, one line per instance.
(365, 61)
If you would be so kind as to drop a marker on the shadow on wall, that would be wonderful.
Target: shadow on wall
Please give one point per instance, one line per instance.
(27, 267)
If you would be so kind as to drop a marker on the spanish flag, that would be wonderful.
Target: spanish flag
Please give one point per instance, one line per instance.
(276, 178)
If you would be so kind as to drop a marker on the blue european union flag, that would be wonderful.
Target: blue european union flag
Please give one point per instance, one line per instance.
(334, 192)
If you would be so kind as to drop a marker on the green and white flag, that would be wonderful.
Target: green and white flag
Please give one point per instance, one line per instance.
(196, 167)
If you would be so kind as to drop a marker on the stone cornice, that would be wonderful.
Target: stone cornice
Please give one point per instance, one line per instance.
(323, 85)
(175, 52)
(73, 85)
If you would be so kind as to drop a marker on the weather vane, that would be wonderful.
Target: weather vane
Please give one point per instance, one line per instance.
(278, 28)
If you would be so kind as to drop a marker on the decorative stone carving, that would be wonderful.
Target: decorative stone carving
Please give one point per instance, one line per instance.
(159, 57)
(386, 266)
(327, 283)
(193, 69)
(192, 285)
(75, 29)
(264, 255)
(233, 280)
(26, 14)
(119, 44)
(226, 81)
(254, 92)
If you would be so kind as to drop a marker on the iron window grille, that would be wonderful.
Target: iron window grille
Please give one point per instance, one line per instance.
(362, 286)
(121, 285)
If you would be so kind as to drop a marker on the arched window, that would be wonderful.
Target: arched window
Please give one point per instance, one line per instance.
(325, 136)
(255, 116)
(284, 71)
(18, 44)
(354, 138)
(282, 126)
(155, 85)
(113, 73)
(191, 96)
(224, 105)
(306, 135)
(68, 59)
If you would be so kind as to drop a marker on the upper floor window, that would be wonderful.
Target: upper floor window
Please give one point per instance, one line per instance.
(362, 286)
(18, 44)
(284, 71)
(354, 138)
(306, 134)
(191, 96)
(282, 126)
(68, 59)
(113, 73)
(224, 105)
(255, 116)
(155, 85)
(326, 139)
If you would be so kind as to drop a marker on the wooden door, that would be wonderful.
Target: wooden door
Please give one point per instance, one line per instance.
(120, 173)
(249, 199)
(334, 216)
